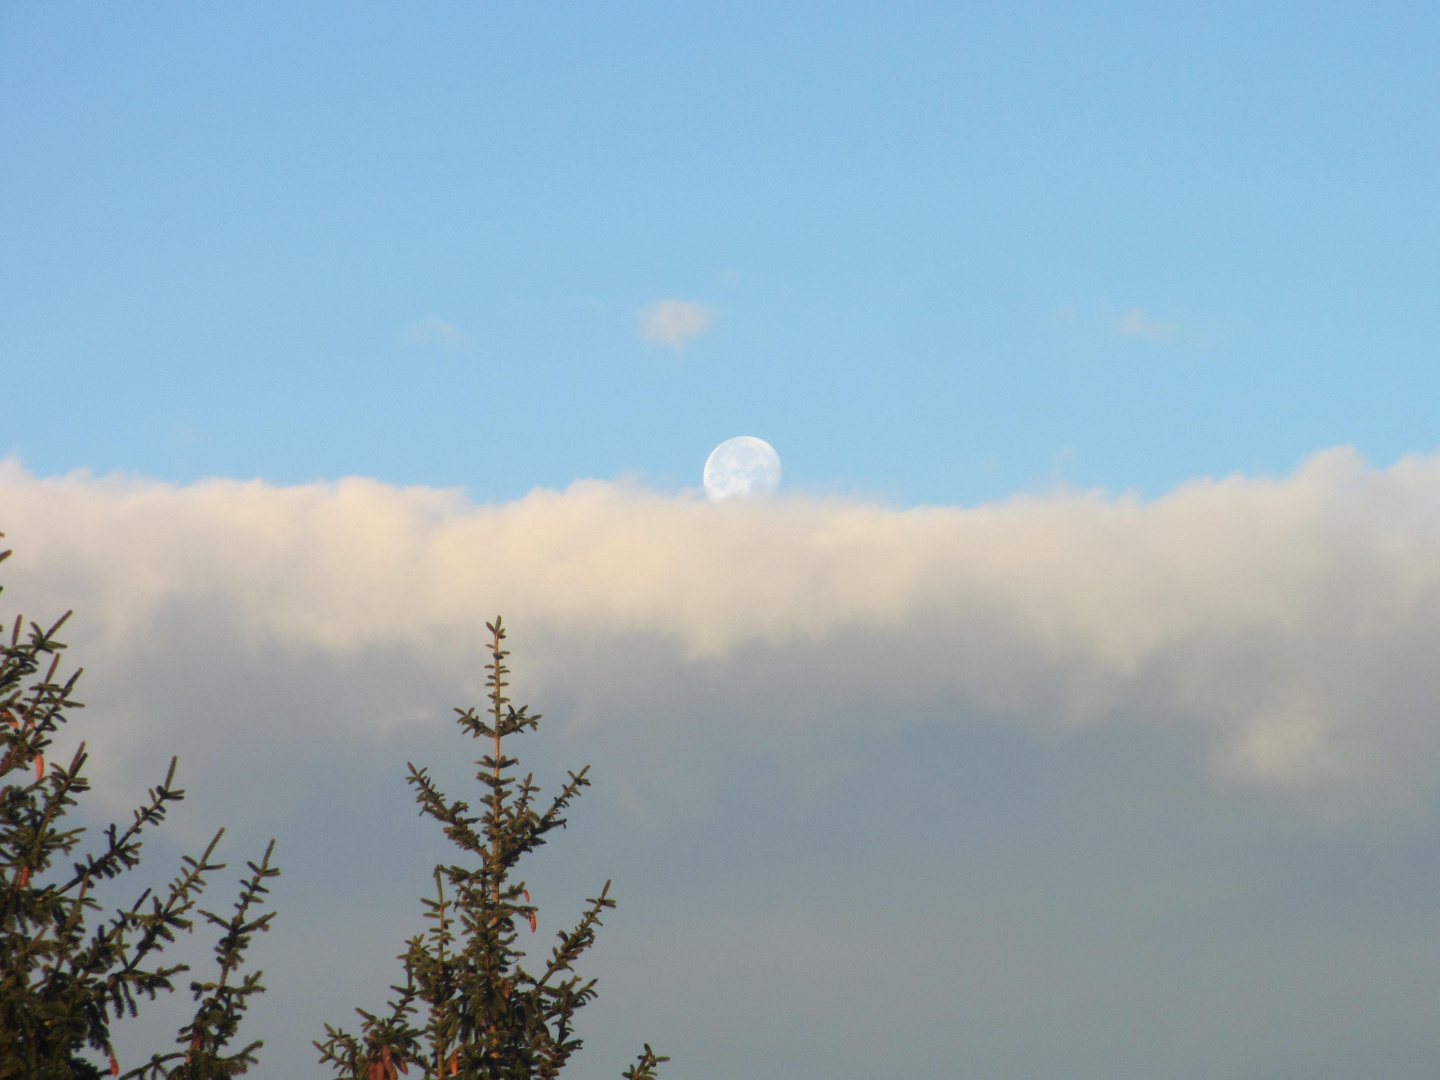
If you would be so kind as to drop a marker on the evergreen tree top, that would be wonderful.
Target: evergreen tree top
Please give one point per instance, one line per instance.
(66, 974)
(469, 1006)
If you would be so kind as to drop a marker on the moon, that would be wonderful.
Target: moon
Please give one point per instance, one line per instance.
(743, 466)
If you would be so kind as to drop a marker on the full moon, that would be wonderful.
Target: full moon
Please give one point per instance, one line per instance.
(741, 466)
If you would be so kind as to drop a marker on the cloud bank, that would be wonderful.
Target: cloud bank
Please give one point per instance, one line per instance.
(1287, 627)
(908, 786)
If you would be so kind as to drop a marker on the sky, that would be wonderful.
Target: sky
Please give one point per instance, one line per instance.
(1070, 709)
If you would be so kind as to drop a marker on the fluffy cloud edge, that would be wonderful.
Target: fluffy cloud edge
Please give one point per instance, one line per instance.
(1287, 621)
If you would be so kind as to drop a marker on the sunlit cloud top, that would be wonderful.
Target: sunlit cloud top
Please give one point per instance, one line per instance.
(1286, 624)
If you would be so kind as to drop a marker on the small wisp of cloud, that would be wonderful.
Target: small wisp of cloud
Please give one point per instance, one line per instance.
(1136, 324)
(433, 331)
(674, 322)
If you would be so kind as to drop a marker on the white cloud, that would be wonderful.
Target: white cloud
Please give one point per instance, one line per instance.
(432, 331)
(1136, 324)
(1035, 758)
(674, 322)
(1289, 625)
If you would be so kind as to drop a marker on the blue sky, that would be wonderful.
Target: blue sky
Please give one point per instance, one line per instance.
(920, 231)
(1069, 714)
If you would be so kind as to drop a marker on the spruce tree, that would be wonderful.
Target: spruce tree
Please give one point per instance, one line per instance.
(66, 973)
(468, 1007)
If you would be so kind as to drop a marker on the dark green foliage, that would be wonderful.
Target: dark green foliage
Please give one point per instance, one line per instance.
(484, 1015)
(63, 980)
(221, 1003)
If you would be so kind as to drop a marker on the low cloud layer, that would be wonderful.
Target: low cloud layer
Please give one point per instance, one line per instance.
(1287, 624)
(1153, 777)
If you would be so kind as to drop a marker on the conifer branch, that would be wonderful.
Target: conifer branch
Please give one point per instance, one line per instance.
(486, 1016)
(62, 981)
